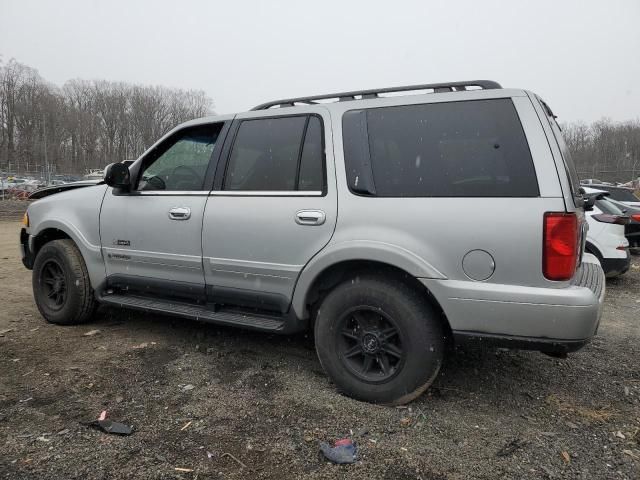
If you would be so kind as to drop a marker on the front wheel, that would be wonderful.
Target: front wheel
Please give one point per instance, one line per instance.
(379, 341)
(61, 286)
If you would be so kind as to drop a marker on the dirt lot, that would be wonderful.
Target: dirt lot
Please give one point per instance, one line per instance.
(12, 209)
(196, 392)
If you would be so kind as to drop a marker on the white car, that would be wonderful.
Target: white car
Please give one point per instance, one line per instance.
(605, 238)
(621, 194)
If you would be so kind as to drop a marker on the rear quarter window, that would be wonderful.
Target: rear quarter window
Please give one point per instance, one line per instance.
(456, 149)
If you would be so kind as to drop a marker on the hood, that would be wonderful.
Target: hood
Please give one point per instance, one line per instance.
(46, 191)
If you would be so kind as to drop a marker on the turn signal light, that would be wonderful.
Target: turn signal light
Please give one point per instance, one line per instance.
(560, 245)
(25, 219)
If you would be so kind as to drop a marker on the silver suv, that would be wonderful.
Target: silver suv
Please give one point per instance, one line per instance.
(392, 225)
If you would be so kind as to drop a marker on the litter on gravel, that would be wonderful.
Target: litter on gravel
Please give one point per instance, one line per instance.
(343, 451)
(91, 333)
(109, 426)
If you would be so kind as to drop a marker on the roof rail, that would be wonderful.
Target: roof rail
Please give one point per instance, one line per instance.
(374, 93)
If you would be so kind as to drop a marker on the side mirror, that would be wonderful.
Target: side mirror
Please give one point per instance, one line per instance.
(589, 202)
(117, 175)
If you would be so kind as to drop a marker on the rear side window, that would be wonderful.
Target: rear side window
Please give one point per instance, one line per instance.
(456, 149)
(277, 154)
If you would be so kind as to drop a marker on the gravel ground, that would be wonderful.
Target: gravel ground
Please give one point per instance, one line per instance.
(224, 403)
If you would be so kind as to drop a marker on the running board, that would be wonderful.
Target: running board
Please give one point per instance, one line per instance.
(285, 324)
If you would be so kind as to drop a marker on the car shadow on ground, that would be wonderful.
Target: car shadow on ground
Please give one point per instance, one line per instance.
(469, 371)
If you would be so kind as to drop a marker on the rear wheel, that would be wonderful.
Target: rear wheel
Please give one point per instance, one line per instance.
(61, 286)
(379, 341)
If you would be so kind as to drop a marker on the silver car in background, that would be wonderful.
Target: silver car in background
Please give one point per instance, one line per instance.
(390, 225)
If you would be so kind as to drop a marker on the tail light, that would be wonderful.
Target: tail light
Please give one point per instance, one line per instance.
(608, 218)
(636, 217)
(560, 245)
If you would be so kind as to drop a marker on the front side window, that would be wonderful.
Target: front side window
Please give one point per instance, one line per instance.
(454, 149)
(181, 162)
(277, 154)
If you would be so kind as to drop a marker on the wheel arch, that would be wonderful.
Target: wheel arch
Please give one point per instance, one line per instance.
(50, 230)
(45, 236)
(590, 247)
(305, 302)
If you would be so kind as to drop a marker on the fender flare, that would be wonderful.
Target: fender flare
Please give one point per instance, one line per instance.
(362, 250)
(91, 254)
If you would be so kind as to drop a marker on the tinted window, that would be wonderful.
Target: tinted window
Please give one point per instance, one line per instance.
(608, 207)
(181, 161)
(311, 177)
(621, 194)
(623, 207)
(457, 149)
(265, 154)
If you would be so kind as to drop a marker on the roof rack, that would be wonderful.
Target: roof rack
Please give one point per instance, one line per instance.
(374, 93)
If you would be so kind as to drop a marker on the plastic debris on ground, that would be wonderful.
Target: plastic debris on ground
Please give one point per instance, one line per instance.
(343, 451)
(109, 426)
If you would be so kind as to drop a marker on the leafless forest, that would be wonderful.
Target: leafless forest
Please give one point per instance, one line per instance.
(89, 123)
(606, 150)
(85, 123)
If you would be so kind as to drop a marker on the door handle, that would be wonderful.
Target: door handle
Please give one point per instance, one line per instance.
(180, 213)
(310, 217)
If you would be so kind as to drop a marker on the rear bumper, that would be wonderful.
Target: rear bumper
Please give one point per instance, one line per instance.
(633, 236)
(548, 319)
(545, 345)
(616, 266)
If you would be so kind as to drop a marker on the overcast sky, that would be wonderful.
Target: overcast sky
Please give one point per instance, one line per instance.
(583, 57)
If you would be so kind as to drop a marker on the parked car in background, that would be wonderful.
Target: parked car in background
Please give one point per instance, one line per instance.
(606, 236)
(621, 194)
(95, 174)
(632, 229)
(591, 181)
(346, 214)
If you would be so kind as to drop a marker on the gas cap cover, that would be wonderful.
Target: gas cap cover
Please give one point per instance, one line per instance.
(478, 265)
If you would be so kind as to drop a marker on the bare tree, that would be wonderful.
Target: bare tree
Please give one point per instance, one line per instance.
(84, 124)
(605, 150)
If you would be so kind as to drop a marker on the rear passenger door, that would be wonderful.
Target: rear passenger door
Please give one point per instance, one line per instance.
(272, 209)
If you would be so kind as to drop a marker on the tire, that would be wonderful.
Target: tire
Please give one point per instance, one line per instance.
(61, 286)
(359, 314)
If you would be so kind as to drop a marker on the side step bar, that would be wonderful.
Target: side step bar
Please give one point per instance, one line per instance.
(274, 324)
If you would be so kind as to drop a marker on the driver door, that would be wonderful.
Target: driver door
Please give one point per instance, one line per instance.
(151, 236)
